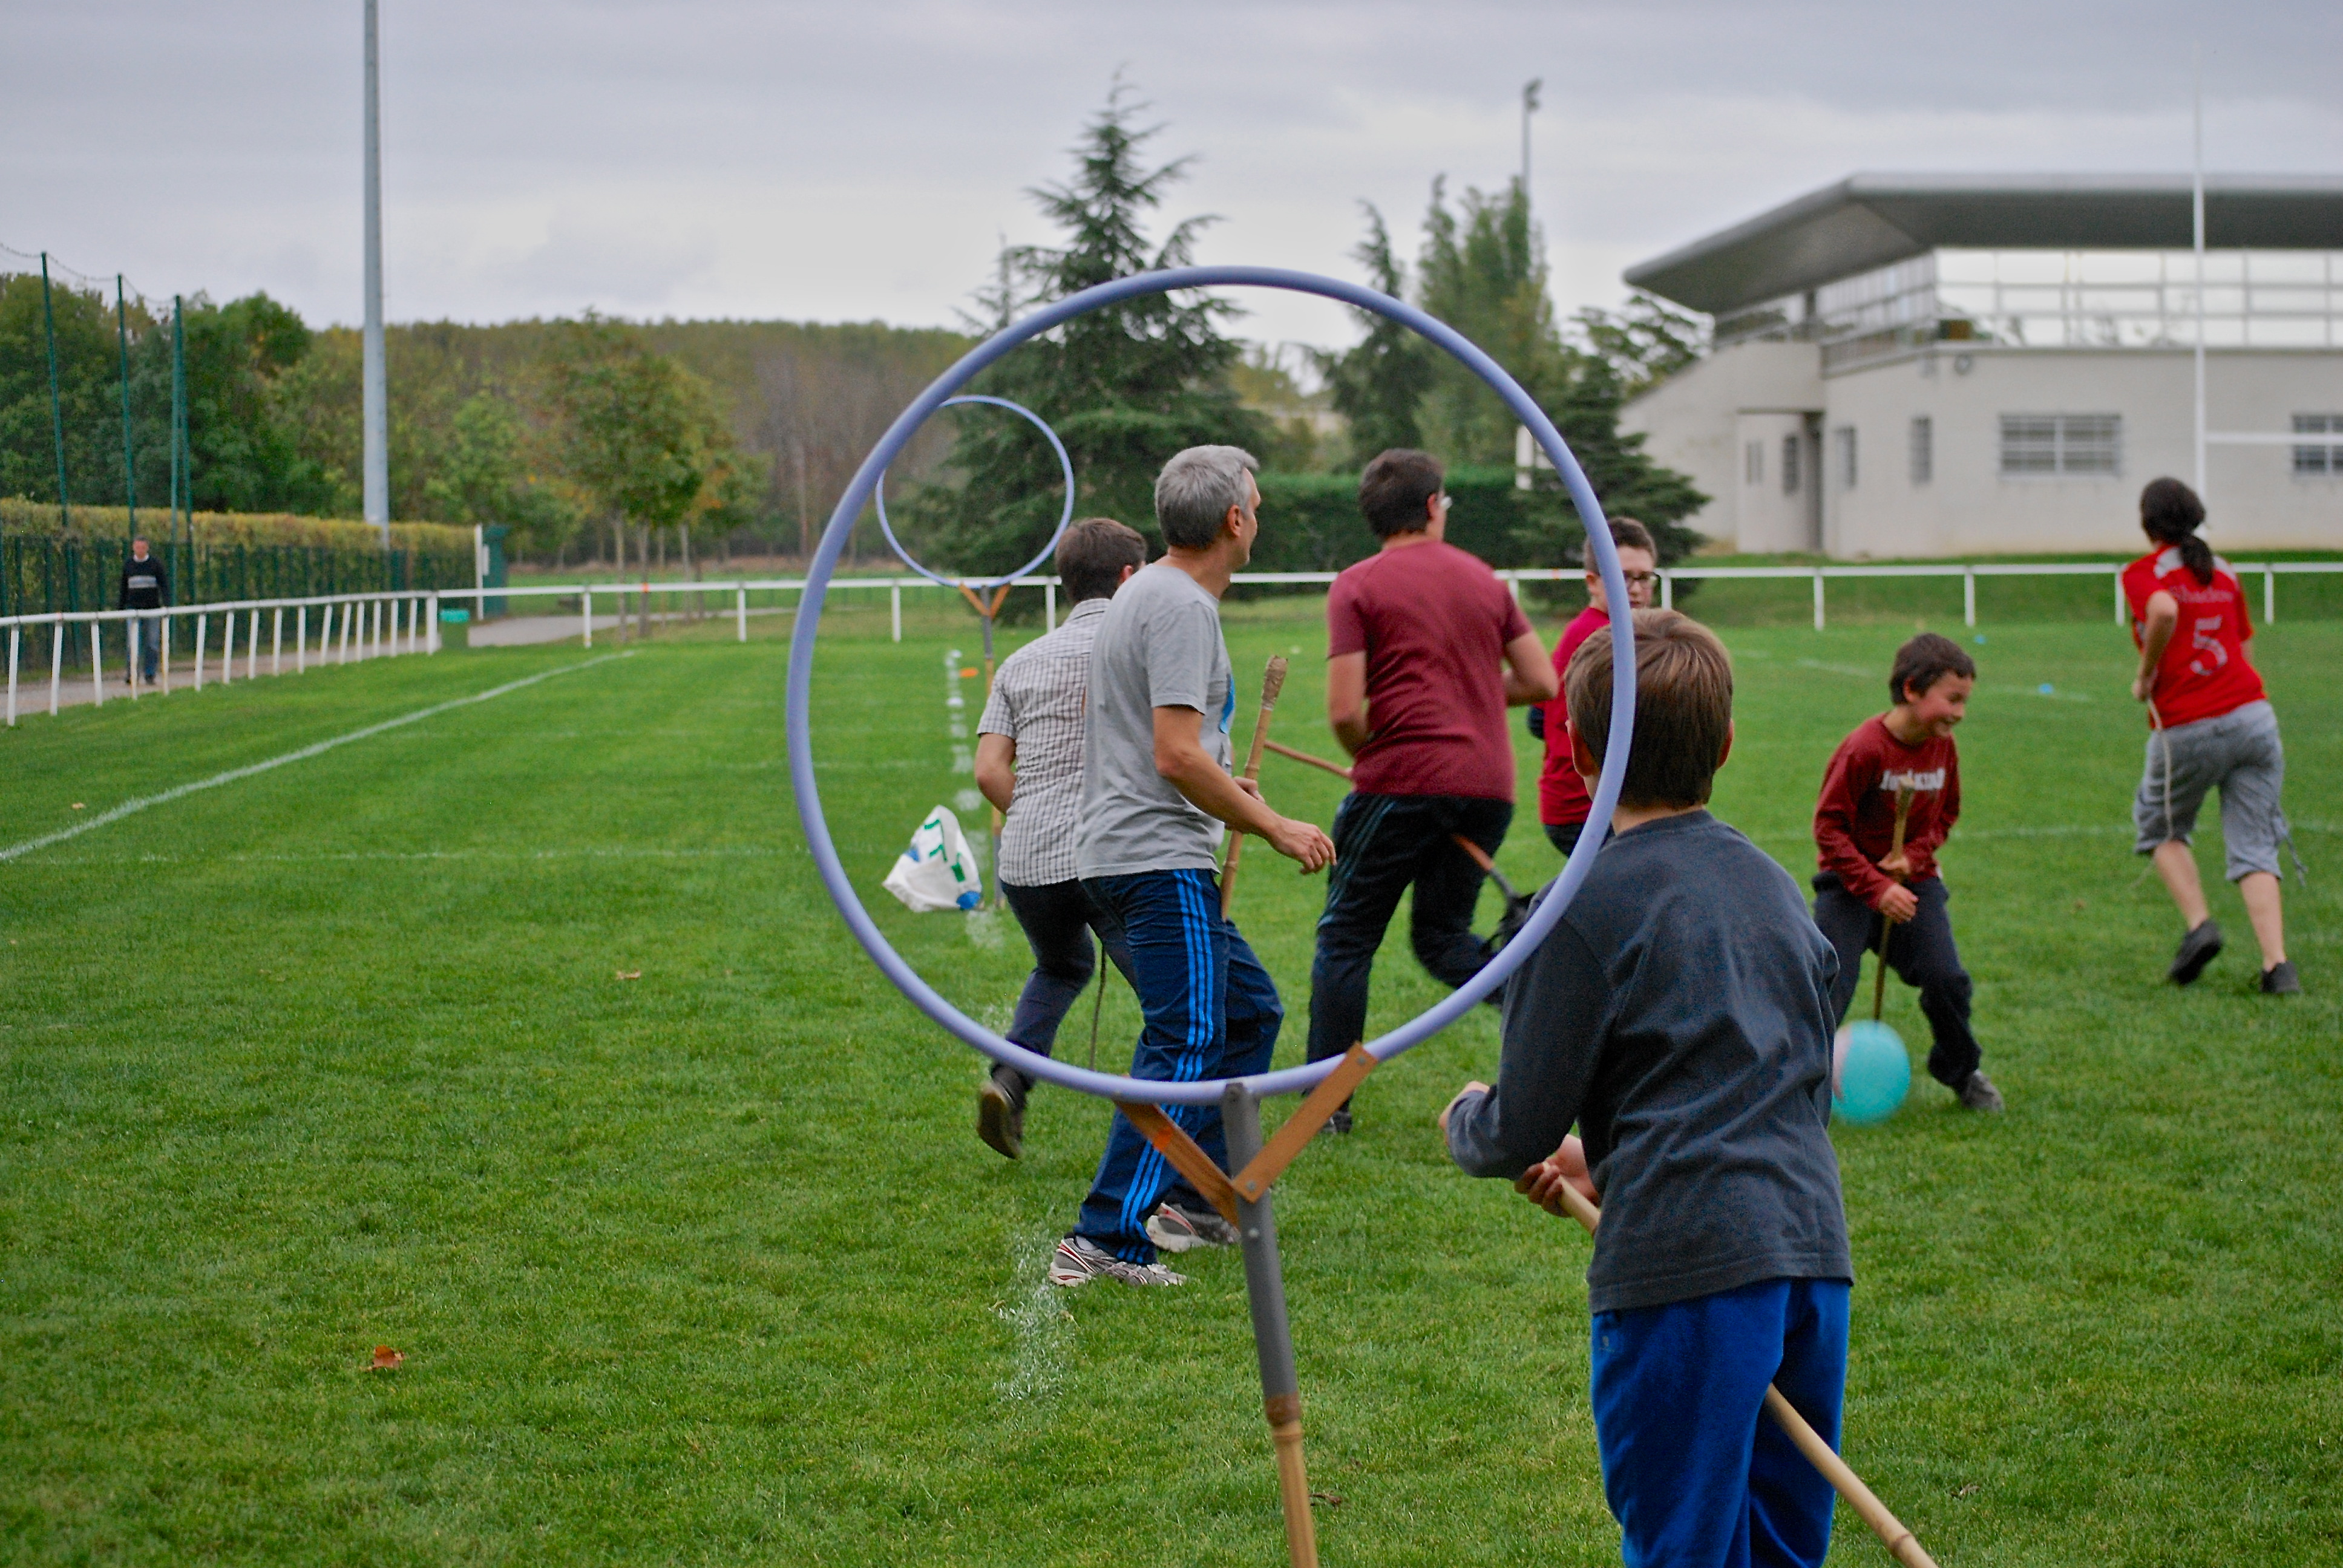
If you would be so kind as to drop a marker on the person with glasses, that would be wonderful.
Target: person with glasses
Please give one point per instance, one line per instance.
(1562, 800)
(1425, 649)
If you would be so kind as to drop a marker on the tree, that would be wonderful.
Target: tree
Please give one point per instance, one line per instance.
(1124, 387)
(485, 477)
(1378, 385)
(640, 432)
(1644, 342)
(1486, 276)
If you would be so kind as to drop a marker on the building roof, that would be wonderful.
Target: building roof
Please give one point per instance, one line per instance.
(1867, 221)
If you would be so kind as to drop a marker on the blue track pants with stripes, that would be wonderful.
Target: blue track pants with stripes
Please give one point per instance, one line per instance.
(1211, 1011)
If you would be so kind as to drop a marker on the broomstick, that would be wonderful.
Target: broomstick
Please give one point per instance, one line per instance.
(1895, 848)
(1272, 682)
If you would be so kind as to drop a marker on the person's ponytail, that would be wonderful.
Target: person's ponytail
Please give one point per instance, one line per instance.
(2169, 513)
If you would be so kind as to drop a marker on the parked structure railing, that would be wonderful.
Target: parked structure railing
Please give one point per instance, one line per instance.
(375, 624)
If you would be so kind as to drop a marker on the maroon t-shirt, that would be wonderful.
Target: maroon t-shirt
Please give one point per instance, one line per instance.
(1434, 622)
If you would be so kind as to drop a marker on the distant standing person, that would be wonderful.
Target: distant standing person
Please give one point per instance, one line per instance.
(1426, 648)
(2211, 726)
(1156, 789)
(146, 586)
(1562, 800)
(1029, 764)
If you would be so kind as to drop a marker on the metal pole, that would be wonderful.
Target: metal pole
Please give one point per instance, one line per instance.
(740, 608)
(252, 647)
(130, 464)
(165, 651)
(97, 661)
(375, 397)
(203, 625)
(1968, 597)
(228, 649)
(894, 608)
(16, 639)
(1818, 598)
(1529, 108)
(1272, 1336)
(2269, 594)
(301, 641)
(2119, 599)
(2196, 205)
(135, 651)
(585, 613)
(1667, 590)
(277, 643)
(56, 405)
(1048, 606)
(181, 475)
(56, 663)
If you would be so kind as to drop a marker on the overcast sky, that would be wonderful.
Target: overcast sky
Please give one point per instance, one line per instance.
(851, 161)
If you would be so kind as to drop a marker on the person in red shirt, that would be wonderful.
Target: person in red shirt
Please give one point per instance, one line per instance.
(1562, 800)
(1861, 885)
(1425, 649)
(2210, 727)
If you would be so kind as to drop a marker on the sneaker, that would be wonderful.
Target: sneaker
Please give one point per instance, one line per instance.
(1337, 1125)
(2279, 980)
(1001, 1112)
(1979, 1094)
(2198, 948)
(1178, 1230)
(1079, 1260)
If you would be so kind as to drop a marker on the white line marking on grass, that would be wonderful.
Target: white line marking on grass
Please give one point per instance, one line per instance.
(1043, 1327)
(129, 806)
(734, 852)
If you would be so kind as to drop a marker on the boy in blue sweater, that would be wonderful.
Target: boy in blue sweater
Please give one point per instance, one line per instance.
(1679, 1013)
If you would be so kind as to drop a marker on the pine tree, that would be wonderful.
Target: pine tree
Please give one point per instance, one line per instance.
(1124, 387)
(1378, 385)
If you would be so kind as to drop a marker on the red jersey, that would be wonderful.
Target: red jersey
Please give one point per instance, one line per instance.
(1434, 622)
(2204, 673)
(1854, 819)
(1561, 793)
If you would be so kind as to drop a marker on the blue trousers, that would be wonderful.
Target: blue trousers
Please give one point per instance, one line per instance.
(1057, 918)
(1696, 1473)
(1211, 1011)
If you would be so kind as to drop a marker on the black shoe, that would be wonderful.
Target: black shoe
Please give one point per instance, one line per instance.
(1338, 1124)
(1001, 1112)
(2279, 980)
(2198, 948)
(1979, 1094)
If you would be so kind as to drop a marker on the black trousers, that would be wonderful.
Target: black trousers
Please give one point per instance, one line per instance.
(1057, 918)
(1921, 954)
(1383, 844)
(1564, 836)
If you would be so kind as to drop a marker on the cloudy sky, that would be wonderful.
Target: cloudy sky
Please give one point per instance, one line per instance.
(837, 162)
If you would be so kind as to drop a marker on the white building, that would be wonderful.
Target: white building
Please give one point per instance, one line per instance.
(1946, 364)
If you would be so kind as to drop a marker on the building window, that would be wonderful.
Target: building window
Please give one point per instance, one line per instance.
(2326, 457)
(1845, 434)
(1752, 463)
(1789, 465)
(2054, 444)
(1924, 449)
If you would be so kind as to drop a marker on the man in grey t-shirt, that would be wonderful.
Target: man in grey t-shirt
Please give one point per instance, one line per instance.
(1156, 793)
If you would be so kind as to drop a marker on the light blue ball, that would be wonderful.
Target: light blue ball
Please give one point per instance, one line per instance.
(1871, 1073)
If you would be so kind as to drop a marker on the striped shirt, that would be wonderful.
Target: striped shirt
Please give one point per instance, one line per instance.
(1037, 701)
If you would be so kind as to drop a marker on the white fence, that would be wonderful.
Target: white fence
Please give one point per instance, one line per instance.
(370, 625)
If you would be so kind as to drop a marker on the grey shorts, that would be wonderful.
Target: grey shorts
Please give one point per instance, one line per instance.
(2238, 753)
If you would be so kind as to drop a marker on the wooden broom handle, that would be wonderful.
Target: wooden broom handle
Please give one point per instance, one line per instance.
(1272, 682)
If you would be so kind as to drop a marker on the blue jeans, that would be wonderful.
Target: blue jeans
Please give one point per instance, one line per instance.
(1697, 1474)
(1211, 1011)
(150, 646)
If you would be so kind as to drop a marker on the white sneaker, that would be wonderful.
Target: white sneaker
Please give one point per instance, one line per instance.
(1178, 1230)
(1079, 1260)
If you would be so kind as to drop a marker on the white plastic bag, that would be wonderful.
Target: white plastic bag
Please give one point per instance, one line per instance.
(937, 871)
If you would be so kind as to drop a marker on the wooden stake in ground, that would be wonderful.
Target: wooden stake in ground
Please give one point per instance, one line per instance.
(1901, 1543)
(1895, 848)
(1272, 682)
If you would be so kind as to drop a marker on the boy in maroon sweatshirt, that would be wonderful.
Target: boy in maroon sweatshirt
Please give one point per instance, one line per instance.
(1861, 885)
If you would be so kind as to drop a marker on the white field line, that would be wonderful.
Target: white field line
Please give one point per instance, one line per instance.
(621, 852)
(127, 808)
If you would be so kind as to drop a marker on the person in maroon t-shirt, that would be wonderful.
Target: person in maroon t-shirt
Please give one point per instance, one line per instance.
(1425, 649)
(2211, 726)
(1562, 800)
(1861, 885)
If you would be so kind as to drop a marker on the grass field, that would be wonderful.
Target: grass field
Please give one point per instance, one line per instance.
(707, 1266)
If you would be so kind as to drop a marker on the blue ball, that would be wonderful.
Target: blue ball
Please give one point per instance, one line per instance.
(1871, 1073)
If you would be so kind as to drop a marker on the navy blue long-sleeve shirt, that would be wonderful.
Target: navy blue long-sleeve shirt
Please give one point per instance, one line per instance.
(1679, 1013)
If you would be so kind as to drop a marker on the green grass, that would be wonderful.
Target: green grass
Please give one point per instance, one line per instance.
(707, 1267)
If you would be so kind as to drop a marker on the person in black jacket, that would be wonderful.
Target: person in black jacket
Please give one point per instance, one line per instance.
(1679, 1013)
(145, 586)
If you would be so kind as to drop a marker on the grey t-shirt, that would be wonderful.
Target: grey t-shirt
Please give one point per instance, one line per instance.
(1158, 647)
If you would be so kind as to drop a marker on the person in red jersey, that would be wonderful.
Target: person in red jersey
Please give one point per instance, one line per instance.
(1861, 885)
(1425, 649)
(2211, 726)
(1562, 800)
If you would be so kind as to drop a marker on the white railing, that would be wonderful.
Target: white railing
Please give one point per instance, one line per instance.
(374, 625)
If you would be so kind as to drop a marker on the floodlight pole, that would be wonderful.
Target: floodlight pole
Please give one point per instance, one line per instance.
(1529, 108)
(376, 396)
(2197, 220)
